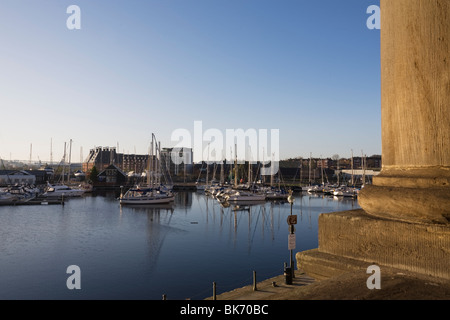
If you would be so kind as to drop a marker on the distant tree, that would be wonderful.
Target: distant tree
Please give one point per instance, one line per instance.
(93, 174)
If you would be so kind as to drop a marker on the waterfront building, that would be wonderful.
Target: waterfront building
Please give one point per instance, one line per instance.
(182, 166)
(103, 157)
(12, 177)
(111, 176)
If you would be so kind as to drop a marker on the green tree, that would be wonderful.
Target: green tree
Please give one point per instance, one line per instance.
(93, 174)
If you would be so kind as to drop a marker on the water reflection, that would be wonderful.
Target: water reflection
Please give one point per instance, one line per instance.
(133, 252)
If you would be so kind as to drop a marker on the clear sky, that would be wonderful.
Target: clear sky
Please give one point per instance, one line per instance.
(310, 68)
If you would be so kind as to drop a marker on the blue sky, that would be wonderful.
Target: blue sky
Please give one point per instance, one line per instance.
(308, 68)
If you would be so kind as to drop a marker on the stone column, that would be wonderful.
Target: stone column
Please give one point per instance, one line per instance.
(404, 222)
(414, 184)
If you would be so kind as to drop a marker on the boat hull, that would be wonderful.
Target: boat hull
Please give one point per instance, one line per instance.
(240, 198)
(147, 200)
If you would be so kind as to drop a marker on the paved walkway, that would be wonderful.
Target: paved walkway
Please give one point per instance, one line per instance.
(395, 285)
(269, 289)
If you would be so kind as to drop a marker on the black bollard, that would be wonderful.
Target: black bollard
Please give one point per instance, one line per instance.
(287, 274)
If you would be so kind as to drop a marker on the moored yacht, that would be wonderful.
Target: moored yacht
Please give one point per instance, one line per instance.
(245, 196)
(154, 192)
(61, 190)
(276, 194)
(146, 196)
(346, 192)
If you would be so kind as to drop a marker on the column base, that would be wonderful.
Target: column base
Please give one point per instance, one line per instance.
(407, 204)
(419, 195)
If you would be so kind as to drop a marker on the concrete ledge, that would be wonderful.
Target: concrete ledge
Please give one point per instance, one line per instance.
(419, 248)
(347, 280)
(321, 266)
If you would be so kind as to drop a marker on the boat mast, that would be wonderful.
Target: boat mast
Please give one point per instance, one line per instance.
(148, 166)
(31, 151)
(249, 171)
(363, 167)
(352, 168)
(51, 151)
(321, 168)
(235, 166)
(207, 167)
(64, 163)
(310, 159)
(271, 171)
(70, 158)
(158, 163)
(249, 174)
(301, 171)
(263, 177)
(151, 165)
(222, 171)
(338, 172)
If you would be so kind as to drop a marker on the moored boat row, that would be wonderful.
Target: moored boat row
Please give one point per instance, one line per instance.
(19, 194)
(227, 193)
(339, 191)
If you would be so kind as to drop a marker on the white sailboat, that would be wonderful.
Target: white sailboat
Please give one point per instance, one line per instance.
(245, 196)
(141, 196)
(238, 195)
(345, 191)
(310, 187)
(274, 193)
(204, 187)
(153, 193)
(62, 190)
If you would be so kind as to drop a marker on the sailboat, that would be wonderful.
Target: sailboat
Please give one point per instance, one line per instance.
(62, 190)
(152, 193)
(310, 188)
(274, 193)
(244, 196)
(200, 187)
(345, 191)
(239, 195)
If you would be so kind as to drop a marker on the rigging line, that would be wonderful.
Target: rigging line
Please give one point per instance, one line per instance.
(295, 176)
(254, 230)
(199, 205)
(268, 223)
(237, 224)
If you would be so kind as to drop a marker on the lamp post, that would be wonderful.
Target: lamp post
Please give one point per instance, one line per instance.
(292, 220)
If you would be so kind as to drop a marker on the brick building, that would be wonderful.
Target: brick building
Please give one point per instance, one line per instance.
(103, 157)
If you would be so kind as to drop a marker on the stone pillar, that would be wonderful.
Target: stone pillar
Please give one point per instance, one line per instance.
(414, 184)
(404, 222)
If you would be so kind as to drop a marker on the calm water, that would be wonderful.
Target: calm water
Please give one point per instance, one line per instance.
(145, 252)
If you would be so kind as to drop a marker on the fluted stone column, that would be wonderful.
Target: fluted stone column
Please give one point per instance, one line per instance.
(404, 222)
(414, 184)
